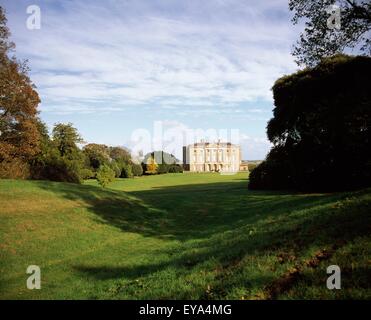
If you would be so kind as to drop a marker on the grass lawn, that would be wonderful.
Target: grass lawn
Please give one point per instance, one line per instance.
(181, 236)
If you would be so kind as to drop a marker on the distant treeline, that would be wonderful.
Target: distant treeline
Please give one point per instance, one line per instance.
(59, 158)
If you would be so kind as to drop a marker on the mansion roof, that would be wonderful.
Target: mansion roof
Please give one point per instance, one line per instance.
(213, 145)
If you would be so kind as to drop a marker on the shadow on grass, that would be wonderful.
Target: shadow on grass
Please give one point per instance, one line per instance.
(184, 212)
(221, 221)
(322, 227)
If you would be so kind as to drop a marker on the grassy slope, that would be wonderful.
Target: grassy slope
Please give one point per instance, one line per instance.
(181, 236)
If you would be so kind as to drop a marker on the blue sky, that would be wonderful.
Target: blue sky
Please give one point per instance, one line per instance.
(118, 68)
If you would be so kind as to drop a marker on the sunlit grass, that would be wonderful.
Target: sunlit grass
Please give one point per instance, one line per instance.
(191, 236)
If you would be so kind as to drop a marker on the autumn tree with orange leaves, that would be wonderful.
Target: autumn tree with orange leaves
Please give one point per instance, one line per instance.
(19, 135)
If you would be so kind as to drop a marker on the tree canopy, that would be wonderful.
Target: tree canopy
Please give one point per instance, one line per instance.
(120, 154)
(19, 136)
(318, 40)
(66, 138)
(98, 154)
(321, 128)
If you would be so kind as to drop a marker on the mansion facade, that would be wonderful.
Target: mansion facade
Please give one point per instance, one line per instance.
(212, 157)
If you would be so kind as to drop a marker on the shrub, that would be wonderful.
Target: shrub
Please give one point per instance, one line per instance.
(116, 168)
(150, 165)
(126, 171)
(55, 168)
(252, 166)
(176, 168)
(105, 175)
(151, 168)
(14, 169)
(163, 168)
(73, 170)
(137, 169)
(87, 174)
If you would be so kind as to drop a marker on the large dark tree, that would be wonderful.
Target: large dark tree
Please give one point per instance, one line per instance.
(321, 128)
(319, 41)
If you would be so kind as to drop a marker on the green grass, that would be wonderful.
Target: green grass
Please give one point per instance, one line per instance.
(181, 236)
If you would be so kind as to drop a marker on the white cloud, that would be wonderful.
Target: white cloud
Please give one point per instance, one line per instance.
(214, 60)
(135, 53)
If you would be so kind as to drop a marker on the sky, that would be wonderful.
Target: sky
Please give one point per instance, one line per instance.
(158, 74)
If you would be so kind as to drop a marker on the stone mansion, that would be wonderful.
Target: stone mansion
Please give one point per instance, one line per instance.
(212, 157)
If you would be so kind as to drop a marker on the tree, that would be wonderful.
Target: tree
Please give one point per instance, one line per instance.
(122, 158)
(137, 169)
(105, 175)
(321, 123)
(151, 165)
(5, 44)
(65, 160)
(120, 154)
(114, 165)
(318, 40)
(66, 138)
(163, 168)
(98, 154)
(274, 172)
(49, 164)
(19, 136)
(175, 168)
(41, 162)
(127, 171)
